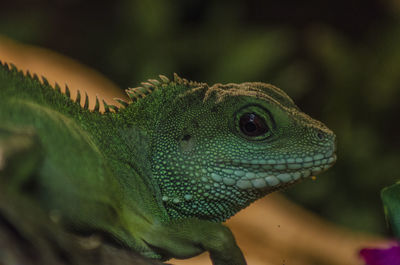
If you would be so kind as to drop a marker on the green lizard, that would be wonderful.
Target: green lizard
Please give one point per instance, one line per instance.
(160, 173)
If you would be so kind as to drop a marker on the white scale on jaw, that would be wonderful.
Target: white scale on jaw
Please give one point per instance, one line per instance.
(264, 173)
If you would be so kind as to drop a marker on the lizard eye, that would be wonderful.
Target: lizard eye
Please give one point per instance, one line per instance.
(253, 125)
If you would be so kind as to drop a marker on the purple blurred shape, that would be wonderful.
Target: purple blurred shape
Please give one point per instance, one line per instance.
(381, 256)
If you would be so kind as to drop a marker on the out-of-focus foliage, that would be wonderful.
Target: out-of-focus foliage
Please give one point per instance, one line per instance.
(339, 60)
(391, 202)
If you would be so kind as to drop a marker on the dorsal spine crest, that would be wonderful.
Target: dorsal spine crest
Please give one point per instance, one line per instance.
(67, 92)
(45, 81)
(122, 102)
(57, 88)
(134, 94)
(78, 97)
(145, 89)
(96, 105)
(86, 104)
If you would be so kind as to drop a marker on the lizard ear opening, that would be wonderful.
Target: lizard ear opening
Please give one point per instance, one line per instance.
(187, 143)
(186, 137)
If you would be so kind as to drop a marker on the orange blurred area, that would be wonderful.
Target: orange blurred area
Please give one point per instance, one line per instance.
(272, 231)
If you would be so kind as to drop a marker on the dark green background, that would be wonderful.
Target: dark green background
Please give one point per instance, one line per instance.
(339, 60)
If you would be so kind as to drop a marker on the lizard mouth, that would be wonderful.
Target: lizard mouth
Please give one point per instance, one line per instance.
(271, 173)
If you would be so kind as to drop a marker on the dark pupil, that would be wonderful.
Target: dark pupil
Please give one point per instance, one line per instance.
(252, 125)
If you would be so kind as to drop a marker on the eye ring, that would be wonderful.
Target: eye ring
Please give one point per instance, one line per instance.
(254, 122)
(253, 125)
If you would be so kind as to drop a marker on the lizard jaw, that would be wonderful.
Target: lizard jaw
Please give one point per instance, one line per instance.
(271, 174)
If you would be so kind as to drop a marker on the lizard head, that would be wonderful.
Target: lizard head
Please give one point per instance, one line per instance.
(219, 148)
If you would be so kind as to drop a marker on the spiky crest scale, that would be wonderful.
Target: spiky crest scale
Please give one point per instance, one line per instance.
(28, 74)
(96, 105)
(146, 88)
(57, 87)
(189, 83)
(78, 97)
(106, 107)
(154, 82)
(43, 80)
(86, 104)
(35, 77)
(114, 108)
(67, 92)
(164, 79)
(122, 102)
(134, 94)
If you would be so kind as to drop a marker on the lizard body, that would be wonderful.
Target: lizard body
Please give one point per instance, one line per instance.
(160, 173)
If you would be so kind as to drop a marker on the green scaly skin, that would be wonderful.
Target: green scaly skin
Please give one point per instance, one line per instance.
(160, 173)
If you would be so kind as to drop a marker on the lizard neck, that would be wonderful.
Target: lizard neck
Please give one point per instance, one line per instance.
(124, 139)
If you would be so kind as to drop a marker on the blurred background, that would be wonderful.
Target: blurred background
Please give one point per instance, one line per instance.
(339, 60)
